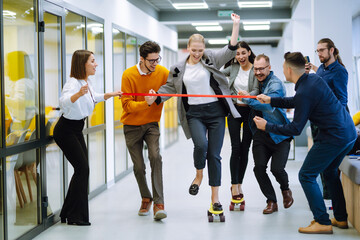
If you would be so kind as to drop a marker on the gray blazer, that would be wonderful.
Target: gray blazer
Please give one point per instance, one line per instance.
(232, 72)
(212, 61)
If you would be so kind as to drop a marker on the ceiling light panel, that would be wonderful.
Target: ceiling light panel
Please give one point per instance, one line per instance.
(255, 4)
(202, 5)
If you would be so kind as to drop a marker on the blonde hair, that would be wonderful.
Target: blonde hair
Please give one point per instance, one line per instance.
(196, 38)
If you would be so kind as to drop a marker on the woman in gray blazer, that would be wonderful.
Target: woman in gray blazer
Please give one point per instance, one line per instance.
(241, 77)
(203, 118)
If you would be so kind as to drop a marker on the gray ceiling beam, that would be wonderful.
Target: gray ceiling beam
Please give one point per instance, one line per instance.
(182, 17)
(273, 43)
(249, 34)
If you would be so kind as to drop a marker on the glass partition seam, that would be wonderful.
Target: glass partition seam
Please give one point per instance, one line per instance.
(2, 76)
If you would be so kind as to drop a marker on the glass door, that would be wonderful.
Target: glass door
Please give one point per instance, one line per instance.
(53, 79)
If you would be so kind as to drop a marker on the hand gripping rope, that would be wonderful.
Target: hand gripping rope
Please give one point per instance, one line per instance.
(186, 95)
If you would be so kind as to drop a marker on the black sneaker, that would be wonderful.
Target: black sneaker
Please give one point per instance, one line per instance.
(217, 207)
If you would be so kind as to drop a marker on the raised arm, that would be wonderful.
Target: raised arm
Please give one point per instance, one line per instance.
(235, 30)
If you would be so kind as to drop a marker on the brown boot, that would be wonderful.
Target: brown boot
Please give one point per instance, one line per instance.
(339, 224)
(159, 211)
(271, 207)
(316, 228)
(145, 207)
(287, 198)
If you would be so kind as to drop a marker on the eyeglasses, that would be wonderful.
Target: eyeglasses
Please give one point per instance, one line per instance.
(260, 69)
(152, 61)
(320, 50)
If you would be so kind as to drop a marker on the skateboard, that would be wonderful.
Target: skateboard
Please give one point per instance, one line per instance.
(215, 216)
(237, 204)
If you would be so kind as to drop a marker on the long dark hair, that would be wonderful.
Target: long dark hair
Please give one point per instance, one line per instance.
(330, 44)
(242, 44)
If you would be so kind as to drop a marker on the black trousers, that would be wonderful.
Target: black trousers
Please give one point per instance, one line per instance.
(69, 137)
(264, 148)
(240, 145)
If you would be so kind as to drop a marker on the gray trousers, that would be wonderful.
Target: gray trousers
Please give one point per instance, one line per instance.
(135, 137)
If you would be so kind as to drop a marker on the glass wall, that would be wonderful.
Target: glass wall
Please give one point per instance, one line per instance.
(170, 106)
(118, 69)
(75, 39)
(1, 199)
(21, 114)
(21, 181)
(20, 64)
(95, 43)
(96, 140)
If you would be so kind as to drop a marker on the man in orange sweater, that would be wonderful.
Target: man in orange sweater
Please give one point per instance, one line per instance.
(140, 121)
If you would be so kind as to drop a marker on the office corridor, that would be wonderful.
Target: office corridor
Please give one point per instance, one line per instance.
(113, 213)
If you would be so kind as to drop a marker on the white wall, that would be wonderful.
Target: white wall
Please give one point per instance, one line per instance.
(132, 19)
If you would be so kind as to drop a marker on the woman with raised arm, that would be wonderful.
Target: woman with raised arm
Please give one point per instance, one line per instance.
(203, 118)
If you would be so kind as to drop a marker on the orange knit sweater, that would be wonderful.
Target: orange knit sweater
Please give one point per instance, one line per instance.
(135, 109)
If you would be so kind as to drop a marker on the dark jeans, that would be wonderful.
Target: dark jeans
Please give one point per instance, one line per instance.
(326, 158)
(207, 127)
(264, 148)
(135, 137)
(69, 137)
(239, 145)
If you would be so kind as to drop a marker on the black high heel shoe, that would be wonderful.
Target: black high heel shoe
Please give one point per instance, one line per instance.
(79, 223)
(194, 189)
(63, 220)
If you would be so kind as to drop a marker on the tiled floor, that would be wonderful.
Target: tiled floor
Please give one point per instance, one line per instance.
(113, 213)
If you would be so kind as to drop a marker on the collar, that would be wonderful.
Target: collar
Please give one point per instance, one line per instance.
(331, 66)
(305, 75)
(141, 72)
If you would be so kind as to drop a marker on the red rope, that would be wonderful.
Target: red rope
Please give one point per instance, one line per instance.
(185, 95)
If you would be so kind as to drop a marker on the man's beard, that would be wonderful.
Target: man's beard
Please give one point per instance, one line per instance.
(325, 60)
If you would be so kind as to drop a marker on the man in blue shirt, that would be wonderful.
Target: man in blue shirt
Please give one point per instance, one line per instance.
(336, 137)
(273, 145)
(333, 71)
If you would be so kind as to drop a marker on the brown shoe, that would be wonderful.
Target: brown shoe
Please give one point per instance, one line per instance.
(287, 198)
(159, 212)
(339, 224)
(145, 207)
(270, 208)
(316, 228)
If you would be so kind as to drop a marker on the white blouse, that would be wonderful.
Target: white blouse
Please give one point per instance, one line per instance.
(197, 81)
(82, 107)
(241, 82)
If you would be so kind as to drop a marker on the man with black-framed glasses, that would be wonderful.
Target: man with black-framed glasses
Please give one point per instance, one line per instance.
(140, 121)
(334, 73)
(269, 145)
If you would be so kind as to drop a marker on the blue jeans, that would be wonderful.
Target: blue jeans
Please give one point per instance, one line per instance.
(207, 127)
(326, 158)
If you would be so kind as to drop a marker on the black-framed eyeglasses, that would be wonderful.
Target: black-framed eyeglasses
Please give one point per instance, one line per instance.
(260, 69)
(152, 61)
(320, 50)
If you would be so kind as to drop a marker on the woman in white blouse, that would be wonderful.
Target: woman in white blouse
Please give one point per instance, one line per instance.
(241, 77)
(77, 102)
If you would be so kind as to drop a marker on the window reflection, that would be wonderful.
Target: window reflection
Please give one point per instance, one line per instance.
(97, 159)
(21, 179)
(118, 69)
(95, 43)
(20, 91)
